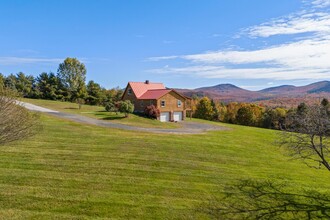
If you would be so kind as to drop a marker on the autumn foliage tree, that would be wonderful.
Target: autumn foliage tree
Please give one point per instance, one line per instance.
(245, 116)
(204, 109)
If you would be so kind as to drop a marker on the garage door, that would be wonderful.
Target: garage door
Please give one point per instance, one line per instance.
(164, 116)
(177, 116)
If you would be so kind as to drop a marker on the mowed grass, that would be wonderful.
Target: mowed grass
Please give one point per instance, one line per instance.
(76, 171)
(99, 112)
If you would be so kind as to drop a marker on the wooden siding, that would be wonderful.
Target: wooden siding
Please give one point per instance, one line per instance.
(130, 97)
(171, 104)
(140, 105)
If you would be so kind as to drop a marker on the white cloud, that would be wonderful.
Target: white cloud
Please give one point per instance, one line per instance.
(295, 24)
(321, 3)
(298, 58)
(162, 58)
(23, 60)
(305, 53)
(215, 72)
(306, 59)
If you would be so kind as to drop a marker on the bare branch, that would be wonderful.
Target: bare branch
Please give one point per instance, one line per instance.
(306, 135)
(16, 122)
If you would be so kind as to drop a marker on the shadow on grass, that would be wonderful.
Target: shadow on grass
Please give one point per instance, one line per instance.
(118, 117)
(71, 108)
(267, 200)
(105, 116)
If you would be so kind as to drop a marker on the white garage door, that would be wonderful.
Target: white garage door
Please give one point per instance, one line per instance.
(177, 116)
(164, 116)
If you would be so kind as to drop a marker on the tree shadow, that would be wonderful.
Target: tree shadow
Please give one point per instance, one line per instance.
(119, 117)
(268, 200)
(112, 117)
(71, 108)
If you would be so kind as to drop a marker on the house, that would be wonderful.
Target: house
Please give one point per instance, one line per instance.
(171, 104)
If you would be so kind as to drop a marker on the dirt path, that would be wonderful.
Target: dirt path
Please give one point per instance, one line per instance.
(188, 127)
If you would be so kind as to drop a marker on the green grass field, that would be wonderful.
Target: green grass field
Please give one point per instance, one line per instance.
(75, 171)
(99, 112)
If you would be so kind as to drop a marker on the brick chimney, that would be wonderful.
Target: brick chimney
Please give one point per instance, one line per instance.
(147, 82)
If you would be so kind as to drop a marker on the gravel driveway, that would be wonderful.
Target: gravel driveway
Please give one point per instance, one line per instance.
(188, 127)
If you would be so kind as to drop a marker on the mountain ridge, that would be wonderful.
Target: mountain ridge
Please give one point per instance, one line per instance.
(228, 92)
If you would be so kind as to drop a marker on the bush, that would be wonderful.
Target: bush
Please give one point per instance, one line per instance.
(126, 107)
(152, 112)
(111, 107)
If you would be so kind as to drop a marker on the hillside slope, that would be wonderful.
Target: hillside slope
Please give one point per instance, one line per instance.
(77, 171)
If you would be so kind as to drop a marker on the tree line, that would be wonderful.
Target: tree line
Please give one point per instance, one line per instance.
(68, 84)
(248, 114)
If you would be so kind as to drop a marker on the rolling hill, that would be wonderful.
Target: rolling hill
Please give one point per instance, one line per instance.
(73, 170)
(230, 93)
(323, 86)
(224, 92)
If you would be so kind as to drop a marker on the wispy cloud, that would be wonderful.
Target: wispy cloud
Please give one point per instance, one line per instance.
(25, 60)
(321, 3)
(318, 23)
(298, 58)
(162, 58)
(220, 72)
(294, 55)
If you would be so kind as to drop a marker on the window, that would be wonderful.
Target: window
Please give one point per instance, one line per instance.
(162, 103)
(129, 91)
(141, 103)
(179, 103)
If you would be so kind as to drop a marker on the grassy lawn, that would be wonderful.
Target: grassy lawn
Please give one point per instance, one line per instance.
(99, 112)
(74, 171)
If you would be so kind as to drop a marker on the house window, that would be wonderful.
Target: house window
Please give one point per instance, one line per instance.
(129, 91)
(179, 103)
(162, 103)
(141, 103)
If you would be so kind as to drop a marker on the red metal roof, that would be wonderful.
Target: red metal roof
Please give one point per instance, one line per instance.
(155, 94)
(139, 88)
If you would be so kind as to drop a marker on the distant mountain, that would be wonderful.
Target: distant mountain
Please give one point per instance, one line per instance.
(318, 87)
(222, 87)
(278, 89)
(224, 92)
(232, 93)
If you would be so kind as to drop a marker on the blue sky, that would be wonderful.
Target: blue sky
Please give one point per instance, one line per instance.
(185, 44)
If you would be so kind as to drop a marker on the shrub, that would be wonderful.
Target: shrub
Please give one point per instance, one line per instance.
(151, 111)
(111, 107)
(126, 107)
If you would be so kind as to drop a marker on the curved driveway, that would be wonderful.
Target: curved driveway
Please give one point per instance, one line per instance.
(188, 127)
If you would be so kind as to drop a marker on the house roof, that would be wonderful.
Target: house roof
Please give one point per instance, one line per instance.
(139, 88)
(155, 94)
